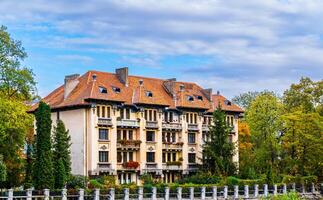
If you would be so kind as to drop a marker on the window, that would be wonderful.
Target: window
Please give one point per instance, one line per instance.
(149, 94)
(103, 134)
(164, 157)
(191, 138)
(103, 90)
(103, 156)
(191, 158)
(191, 118)
(118, 134)
(130, 135)
(116, 89)
(103, 111)
(198, 97)
(173, 137)
(150, 136)
(189, 98)
(130, 156)
(125, 113)
(151, 115)
(174, 156)
(169, 155)
(227, 102)
(119, 157)
(150, 156)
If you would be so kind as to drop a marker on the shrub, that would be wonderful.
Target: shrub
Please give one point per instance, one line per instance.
(231, 180)
(76, 182)
(93, 183)
(107, 181)
(309, 179)
(200, 178)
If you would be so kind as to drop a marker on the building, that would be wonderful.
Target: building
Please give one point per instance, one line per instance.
(126, 125)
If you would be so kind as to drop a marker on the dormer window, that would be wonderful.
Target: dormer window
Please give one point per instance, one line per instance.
(190, 98)
(149, 94)
(103, 90)
(116, 89)
(198, 97)
(227, 102)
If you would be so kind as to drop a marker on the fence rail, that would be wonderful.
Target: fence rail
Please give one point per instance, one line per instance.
(191, 193)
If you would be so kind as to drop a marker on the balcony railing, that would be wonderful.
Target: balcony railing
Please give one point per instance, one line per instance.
(130, 165)
(151, 124)
(105, 121)
(171, 167)
(192, 167)
(175, 145)
(128, 144)
(205, 127)
(192, 127)
(104, 166)
(129, 123)
(172, 126)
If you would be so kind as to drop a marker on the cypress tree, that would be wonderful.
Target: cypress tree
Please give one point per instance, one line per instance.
(43, 176)
(62, 154)
(218, 151)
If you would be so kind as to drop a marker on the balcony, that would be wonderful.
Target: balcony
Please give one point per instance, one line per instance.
(192, 167)
(129, 144)
(172, 126)
(127, 123)
(152, 124)
(173, 146)
(192, 127)
(205, 127)
(104, 167)
(104, 121)
(152, 168)
(128, 166)
(172, 166)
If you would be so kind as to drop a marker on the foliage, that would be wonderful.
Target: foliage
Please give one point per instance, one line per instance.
(28, 166)
(200, 178)
(76, 182)
(218, 151)
(62, 154)
(43, 167)
(288, 196)
(3, 170)
(131, 164)
(16, 82)
(244, 100)
(129, 142)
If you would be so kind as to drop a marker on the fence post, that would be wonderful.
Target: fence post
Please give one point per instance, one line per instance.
(294, 187)
(166, 193)
(154, 196)
(126, 194)
(303, 188)
(203, 193)
(29, 194)
(246, 191)
(236, 192)
(191, 193)
(81, 194)
(225, 192)
(112, 193)
(179, 193)
(313, 188)
(97, 194)
(265, 190)
(275, 190)
(64, 194)
(285, 189)
(140, 193)
(10, 194)
(46, 194)
(214, 193)
(256, 192)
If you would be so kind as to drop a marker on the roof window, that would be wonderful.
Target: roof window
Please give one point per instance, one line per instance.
(103, 90)
(227, 102)
(116, 89)
(199, 97)
(149, 94)
(190, 98)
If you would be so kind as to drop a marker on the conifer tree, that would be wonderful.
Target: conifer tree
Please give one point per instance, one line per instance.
(218, 150)
(43, 176)
(62, 154)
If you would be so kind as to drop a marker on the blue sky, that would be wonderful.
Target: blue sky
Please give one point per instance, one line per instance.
(229, 45)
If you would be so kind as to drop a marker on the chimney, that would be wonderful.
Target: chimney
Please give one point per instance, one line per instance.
(208, 93)
(122, 74)
(70, 82)
(94, 77)
(181, 87)
(218, 92)
(141, 82)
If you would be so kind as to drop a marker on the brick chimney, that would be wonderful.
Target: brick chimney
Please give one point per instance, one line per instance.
(122, 74)
(208, 93)
(70, 82)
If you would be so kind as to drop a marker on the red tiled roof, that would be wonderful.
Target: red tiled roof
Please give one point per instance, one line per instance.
(225, 104)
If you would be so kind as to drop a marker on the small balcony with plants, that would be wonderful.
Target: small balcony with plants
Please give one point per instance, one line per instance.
(128, 144)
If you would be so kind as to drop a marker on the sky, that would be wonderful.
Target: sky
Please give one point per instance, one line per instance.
(231, 46)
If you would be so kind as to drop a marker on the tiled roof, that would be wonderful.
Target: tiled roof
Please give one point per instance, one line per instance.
(226, 105)
(136, 91)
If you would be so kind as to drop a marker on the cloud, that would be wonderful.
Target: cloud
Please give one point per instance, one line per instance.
(247, 44)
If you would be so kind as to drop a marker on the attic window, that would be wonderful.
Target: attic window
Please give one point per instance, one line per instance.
(149, 94)
(190, 98)
(116, 89)
(198, 97)
(103, 90)
(227, 102)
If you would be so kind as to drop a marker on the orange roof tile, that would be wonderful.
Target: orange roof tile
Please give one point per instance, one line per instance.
(217, 98)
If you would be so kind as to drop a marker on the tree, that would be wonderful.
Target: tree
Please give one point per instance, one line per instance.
(28, 182)
(62, 154)
(244, 100)
(3, 170)
(16, 82)
(218, 150)
(43, 167)
(264, 120)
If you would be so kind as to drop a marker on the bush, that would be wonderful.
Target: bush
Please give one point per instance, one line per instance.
(309, 179)
(93, 183)
(76, 182)
(107, 181)
(200, 178)
(231, 181)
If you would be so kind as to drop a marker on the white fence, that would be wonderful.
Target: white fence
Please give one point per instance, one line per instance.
(179, 193)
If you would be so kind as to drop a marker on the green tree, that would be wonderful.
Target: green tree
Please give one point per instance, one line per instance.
(3, 170)
(29, 166)
(62, 154)
(303, 143)
(16, 82)
(245, 99)
(43, 166)
(218, 150)
(264, 120)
